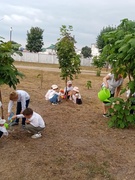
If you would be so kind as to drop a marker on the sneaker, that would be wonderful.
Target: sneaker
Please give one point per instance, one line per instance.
(54, 103)
(35, 136)
(106, 115)
(14, 123)
(29, 131)
(23, 126)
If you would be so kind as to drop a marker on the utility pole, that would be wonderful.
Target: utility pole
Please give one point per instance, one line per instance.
(11, 34)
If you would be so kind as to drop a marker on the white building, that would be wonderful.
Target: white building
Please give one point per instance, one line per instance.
(94, 50)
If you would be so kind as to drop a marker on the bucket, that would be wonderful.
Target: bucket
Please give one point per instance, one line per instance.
(104, 94)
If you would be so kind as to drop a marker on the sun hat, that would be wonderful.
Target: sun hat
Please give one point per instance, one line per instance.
(69, 82)
(54, 86)
(2, 121)
(76, 89)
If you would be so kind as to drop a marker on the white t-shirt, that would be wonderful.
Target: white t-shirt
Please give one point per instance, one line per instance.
(3, 129)
(75, 96)
(112, 83)
(68, 89)
(36, 120)
(47, 94)
(23, 96)
(52, 93)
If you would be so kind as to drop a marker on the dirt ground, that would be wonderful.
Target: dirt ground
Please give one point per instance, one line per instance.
(77, 143)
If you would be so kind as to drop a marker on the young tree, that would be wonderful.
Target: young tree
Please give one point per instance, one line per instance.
(9, 74)
(69, 61)
(119, 52)
(35, 39)
(86, 52)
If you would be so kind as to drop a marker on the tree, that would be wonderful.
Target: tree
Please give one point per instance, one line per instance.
(35, 39)
(69, 61)
(100, 40)
(9, 74)
(119, 52)
(86, 52)
(101, 43)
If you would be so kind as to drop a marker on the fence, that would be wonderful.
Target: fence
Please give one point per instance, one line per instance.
(45, 58)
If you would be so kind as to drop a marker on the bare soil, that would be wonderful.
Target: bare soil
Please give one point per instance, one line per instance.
(77, 143)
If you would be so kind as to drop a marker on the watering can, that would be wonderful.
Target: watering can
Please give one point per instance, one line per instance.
(6, 125)
(104, 94)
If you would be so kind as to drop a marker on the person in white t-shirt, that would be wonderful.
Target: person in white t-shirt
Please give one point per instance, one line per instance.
(48, 93)
(68, 89)
(54, 95)
(114, 85)
(22, 98)
(75, 95)
(3, 130)
(34, 122)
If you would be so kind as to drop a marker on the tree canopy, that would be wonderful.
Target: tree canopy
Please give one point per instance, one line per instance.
(119, 52)
(35, 39)
(9, 74)
(100, 40)
(86, 52)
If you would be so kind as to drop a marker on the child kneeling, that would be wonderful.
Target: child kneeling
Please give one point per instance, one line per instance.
(3, 130)
(34, 122)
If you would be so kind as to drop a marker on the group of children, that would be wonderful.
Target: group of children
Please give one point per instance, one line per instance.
(31, 121)
(54, 95)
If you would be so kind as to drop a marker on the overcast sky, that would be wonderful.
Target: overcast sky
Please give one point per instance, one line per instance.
(88, 17)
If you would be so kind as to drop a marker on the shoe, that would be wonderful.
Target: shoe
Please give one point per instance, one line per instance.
(106, 115)
(35, 136)
(54, 103)
(14, 123)
(23, 126)
(29, 131)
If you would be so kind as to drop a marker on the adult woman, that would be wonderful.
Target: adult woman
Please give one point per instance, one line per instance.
(113, 83)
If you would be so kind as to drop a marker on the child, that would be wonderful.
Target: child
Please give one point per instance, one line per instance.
(68, 89)
(34, 122)
(3, 131)
(47, 94)
(75, 96)
(23, 99)
(54, 95)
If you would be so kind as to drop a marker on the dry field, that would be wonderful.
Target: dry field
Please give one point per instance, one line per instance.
(77, 143)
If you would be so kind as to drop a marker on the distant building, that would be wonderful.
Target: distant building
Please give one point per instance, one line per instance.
(50, 50)
(94, 50)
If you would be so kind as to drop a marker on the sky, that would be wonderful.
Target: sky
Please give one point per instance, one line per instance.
(87, 17)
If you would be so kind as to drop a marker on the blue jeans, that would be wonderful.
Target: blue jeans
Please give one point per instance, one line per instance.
(54, 99)
(18, 111)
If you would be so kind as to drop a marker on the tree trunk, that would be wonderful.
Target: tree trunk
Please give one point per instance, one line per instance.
(2, 115)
